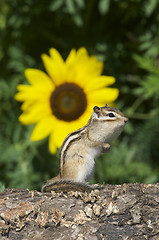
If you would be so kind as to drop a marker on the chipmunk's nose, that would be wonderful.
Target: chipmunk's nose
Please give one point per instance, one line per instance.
(125, 119)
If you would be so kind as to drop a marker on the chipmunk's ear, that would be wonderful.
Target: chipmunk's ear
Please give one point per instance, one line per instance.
(97, 110)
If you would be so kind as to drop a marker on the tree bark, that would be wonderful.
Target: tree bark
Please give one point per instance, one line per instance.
(111, 212)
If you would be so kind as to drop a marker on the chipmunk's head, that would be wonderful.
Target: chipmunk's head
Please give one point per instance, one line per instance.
(109, 122)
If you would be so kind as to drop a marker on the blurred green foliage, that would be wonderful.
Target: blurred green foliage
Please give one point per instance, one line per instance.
(125, 35)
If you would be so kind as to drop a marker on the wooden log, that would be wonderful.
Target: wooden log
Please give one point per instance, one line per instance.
(111, 212)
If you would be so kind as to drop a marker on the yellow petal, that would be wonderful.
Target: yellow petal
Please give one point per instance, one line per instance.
(35, 113)
(98, 82)
(90, 63)
(26, 105)
(55, 55)
(71, 58)
(60, 132)
(55, 71)
(27, 92)
(80, 67)
(38, 77)
(95, 67)
(43, 128)
(52, 145)
(28, 118)
(103, 95)
(82, 53)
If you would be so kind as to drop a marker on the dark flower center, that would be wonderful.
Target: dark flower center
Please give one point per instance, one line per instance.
(68, 102)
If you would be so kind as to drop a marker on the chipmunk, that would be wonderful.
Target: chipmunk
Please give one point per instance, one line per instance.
(81, 147)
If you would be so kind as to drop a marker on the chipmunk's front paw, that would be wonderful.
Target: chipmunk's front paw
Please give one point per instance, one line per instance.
(106, 147)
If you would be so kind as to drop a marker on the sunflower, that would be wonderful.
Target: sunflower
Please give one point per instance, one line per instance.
(61, 100)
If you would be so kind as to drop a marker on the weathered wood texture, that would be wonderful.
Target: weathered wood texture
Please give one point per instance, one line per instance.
(129, 211)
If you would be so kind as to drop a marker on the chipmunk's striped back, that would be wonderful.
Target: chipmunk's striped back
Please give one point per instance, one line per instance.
(69, 140)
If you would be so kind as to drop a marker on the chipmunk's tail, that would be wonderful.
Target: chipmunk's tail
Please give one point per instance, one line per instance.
(66, 186)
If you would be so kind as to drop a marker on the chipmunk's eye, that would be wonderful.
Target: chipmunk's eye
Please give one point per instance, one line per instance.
(111, 115)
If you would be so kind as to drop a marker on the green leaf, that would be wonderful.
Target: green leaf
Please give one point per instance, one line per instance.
(56, 4)
(150, 6)
(103, 6)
